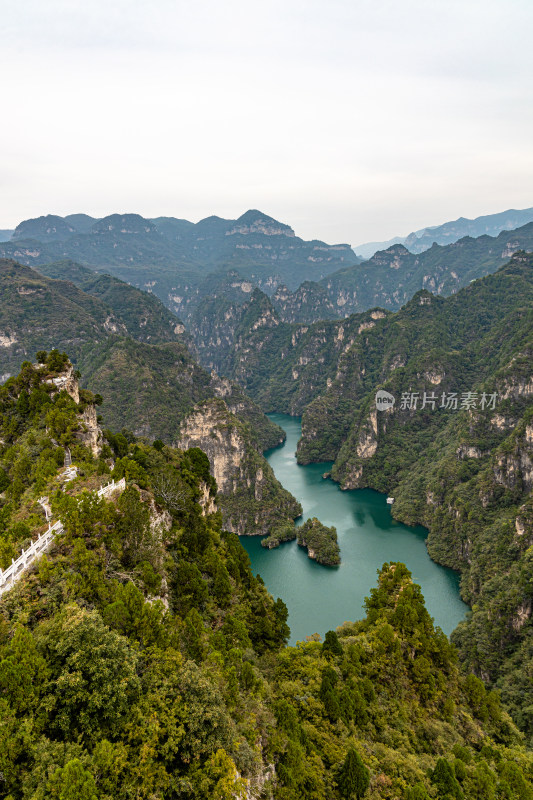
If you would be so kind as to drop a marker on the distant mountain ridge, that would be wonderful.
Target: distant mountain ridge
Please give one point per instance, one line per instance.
(184, 263)
(172, 257)
(449, 232)
(391, 277)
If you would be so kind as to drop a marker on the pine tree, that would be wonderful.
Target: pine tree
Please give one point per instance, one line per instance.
(222, 585)
(444, 779)
(331, 644)
(354, 778)
(418, 792)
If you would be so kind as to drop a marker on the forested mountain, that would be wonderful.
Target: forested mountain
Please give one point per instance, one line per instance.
(391, 277)
(388, 280)
(466, 474)
(50, 228)
(172, 257)
(140, 657)
(145, 317)
(185, 264)
(449, 232)
(78, 312)
(282, 366)
(128, 346)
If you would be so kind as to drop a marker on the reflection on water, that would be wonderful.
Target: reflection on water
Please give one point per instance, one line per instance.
(320, 598)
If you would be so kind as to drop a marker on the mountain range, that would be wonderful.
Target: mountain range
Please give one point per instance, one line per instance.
(184, 263)
(449, 232)
(455, 319)
(391, 277)
(171, 257)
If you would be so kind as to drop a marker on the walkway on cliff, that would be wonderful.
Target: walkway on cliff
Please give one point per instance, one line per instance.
(16, 569)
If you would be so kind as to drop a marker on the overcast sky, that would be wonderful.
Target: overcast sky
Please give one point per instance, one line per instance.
(351, 120)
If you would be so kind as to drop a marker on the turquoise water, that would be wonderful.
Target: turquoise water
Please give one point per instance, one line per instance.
(320, 598)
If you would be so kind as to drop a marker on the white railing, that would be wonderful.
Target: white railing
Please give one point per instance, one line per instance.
(10, 576)
(119, 486)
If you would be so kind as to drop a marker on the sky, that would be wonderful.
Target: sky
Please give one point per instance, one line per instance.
(350, 120)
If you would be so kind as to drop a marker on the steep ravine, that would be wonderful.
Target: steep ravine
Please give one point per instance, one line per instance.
(252, 501)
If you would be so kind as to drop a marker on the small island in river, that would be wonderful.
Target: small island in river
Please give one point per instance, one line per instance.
(321, 542)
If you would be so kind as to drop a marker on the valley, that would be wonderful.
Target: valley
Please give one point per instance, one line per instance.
(321, 598)
(141, 648)
(194, 390)
(266, 401)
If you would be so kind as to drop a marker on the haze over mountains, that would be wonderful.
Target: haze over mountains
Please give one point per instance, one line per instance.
(185, 264)
(448, 232)
(171, 256)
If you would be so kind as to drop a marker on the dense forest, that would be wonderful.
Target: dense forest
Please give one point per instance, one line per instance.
(140, 657)
(465, 471)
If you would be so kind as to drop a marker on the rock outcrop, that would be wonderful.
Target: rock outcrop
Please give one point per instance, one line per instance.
(67, 381)
(91, 434)
(89, 431)
(252, 501)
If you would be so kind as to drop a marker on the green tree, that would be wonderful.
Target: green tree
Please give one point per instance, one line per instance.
(417, 792)
(56, 361)
(72, 782)
(513, 786)
(194, 635)
(331, 644)
(23, 672)
(222, 585)
(94, 674)
(138, 542)
(353, 779)
(219, 779)
(444, 779)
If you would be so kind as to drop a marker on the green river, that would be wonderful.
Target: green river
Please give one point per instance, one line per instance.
(319, 598)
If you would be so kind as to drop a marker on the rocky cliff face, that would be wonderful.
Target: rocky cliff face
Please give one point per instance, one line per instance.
(89, 431)
(282, 365)
(209, 428)
(252, 501)
(91, 434)
(68, 382)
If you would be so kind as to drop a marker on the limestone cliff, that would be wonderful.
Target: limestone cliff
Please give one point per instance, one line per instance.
(67, 381)
(252, 501)
(89, 432)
